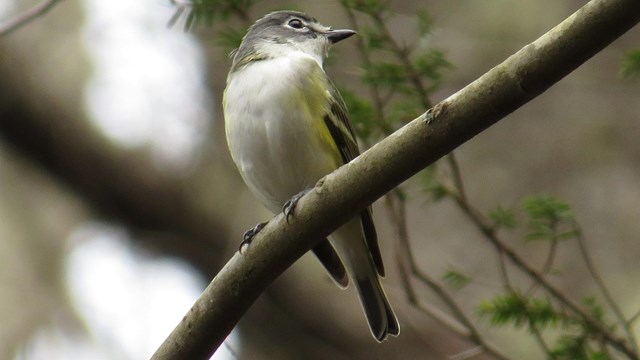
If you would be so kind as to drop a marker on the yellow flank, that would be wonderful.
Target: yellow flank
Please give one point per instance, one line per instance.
(316, 102)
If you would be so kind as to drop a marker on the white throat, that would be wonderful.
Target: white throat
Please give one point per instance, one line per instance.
(315, 50)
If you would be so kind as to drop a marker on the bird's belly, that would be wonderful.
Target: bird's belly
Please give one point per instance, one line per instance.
(282, 159)
(285, 146)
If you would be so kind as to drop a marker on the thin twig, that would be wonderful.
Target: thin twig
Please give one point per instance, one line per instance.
(503, 269)
(489, 231)
(403, 55)
(188, 7)
(591, 267)
(467, 354)
(605, 350)
(26, 16)
(231, 350)
(546, 268)
(459, 192)
(242, 13)
(398, 210)
(483, 225)
(538, 336)
(633, 318)
(424, 307)
(463, 325)
(405, 276)
(456, 176)
(365, 58)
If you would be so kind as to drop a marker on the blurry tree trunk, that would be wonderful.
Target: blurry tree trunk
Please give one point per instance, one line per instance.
(116, 184)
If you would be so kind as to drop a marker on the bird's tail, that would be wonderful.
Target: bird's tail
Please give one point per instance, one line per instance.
(350, 243)
(382, 320)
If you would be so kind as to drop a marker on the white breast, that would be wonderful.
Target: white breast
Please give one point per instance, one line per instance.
(274, 134)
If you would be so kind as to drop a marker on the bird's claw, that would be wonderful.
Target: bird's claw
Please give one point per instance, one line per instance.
(290, 205)
(249, 234)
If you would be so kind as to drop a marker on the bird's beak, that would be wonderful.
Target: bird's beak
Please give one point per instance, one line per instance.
(336, 35)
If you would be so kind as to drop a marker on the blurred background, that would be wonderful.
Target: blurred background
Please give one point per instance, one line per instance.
(119, 201)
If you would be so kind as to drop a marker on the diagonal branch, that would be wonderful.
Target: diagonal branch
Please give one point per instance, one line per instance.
(597, 326)
(136, 194)
(342, 194)
(26, 16)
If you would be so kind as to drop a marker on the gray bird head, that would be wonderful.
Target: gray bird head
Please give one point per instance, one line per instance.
(281, 32)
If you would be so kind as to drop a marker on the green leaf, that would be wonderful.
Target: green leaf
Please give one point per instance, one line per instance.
(191, 20)
(549, 219)
(230, 38)
(543, 314)
(206, 12)
(385, 74)
(402, 111)
(369, 7)
(373, 38)
(503, 218)
(430, 183)
(630, 68)
(598, 355)
(503, 310)
(521, 311)
(456, 279)
(432, 64)
(595, 309)
(547, 208)
(360, 112)
(539, 230)
(576, 347)
(425, 22)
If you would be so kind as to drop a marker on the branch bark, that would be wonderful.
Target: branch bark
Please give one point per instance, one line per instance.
(342, 194)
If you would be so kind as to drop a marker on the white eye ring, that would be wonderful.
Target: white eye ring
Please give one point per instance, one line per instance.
(296, 24)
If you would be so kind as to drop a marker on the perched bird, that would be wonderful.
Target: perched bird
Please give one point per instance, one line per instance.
(287, 127)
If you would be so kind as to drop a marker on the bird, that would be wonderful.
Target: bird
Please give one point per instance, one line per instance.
(287, 127)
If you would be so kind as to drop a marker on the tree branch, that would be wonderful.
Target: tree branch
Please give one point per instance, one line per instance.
(597, 326)
(26, 16)
(342, 194)
(118, 184)
(460, 323)
(600, 283)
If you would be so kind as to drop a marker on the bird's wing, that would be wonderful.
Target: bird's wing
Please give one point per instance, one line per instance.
(343, 135)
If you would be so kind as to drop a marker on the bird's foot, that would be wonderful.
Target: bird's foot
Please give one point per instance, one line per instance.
(249, 234)
(290, 205)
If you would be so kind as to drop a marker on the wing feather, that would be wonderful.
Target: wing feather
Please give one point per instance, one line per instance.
(343, 135)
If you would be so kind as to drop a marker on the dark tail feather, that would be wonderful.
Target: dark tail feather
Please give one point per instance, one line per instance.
(332, 263)
(382, 320)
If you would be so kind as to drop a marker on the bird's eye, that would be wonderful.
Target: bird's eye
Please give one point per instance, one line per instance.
(296, 24)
